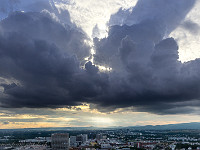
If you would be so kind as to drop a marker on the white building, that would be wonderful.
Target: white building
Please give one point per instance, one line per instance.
(32, 147)
(105, 146)
(85, 137)
(73, 141)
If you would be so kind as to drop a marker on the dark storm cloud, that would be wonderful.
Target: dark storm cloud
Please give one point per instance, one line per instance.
(156, 85)
(7, 5)
(147, 73)
(40, 26)
(44, 60)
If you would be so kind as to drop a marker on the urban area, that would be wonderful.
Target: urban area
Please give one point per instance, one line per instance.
(105, 139)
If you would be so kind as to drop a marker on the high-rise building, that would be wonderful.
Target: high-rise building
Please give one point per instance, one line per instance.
(99, 136)
(60, 141)
(82, 138)
(85, 137)
(72, 141)
(79, 138)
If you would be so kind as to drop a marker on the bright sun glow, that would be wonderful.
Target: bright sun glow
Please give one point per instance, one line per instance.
(91, 58)
(188, 37)
(89, 13)
(102, 121)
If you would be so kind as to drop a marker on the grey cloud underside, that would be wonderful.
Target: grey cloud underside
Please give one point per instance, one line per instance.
(45, 59)
(149, 75)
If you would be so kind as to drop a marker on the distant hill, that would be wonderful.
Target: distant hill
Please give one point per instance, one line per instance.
(182, 126)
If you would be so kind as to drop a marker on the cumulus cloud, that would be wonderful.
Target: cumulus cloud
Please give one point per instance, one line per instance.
(152, 77)
(46, 61)
(187, 35)
(166, 13)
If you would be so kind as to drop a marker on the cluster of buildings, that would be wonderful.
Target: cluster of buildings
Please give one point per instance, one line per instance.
(109, 140)
(101, 142)
(183, 139)
(78, 140)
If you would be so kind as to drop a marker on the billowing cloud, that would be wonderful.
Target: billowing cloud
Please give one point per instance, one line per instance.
(44, 60)
(166, 13)
(187, 35)
(151, 78)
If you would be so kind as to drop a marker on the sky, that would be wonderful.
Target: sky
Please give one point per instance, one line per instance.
(80, 63)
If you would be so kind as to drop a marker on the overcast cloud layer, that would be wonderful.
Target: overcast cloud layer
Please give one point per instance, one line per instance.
(42, 61)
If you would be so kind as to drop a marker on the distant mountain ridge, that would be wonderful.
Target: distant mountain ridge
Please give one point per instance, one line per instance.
(182, 126)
